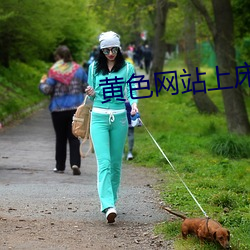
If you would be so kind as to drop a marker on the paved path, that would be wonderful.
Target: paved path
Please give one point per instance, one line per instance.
(31, 191)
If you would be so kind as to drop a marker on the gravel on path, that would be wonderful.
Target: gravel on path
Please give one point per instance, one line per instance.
(40, 209)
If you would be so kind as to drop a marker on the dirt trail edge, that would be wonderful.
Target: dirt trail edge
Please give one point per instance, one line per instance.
(40, 209)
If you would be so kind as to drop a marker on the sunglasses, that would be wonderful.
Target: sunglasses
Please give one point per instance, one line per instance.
(106, 51)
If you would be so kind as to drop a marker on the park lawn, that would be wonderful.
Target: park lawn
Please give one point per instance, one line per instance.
(220, 183)
(189, 139)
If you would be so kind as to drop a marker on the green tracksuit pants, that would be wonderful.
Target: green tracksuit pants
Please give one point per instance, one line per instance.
(108, 134)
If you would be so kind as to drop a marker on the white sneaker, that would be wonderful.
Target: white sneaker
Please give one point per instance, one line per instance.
(58, 171)
(111, 214)
(129, 156)
(76, 170)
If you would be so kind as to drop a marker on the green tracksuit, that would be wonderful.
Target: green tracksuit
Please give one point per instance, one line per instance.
(109, 132)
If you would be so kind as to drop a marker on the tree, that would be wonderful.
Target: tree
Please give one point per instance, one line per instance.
(128, 18)
(28, 33)
(201, 99)
(223, 37)
(159, 44)
(242, 31)
(241, 17)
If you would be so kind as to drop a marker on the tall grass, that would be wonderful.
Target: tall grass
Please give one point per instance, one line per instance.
(231, 146)
(214, 164)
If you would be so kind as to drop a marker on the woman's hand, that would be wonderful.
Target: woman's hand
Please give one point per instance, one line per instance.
(43, 79)
(134, 109)
(90, 91)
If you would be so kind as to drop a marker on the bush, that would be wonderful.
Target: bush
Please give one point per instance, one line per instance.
(224, 200)
(231, 146)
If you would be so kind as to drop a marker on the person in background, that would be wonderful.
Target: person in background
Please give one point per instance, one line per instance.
(109, 123)
(138, 56)
(147, 54)
(128, 109)
(130, 133)
(65, 84)
(93, 56)
(127, 57)
(130, 51)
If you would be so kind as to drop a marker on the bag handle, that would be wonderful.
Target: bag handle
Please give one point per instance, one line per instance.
(86, 138)
(91, 148)
(85, 99)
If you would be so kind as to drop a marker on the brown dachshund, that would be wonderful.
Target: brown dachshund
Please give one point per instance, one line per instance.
(204, 229)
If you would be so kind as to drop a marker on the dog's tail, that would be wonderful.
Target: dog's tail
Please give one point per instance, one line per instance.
(175, 213)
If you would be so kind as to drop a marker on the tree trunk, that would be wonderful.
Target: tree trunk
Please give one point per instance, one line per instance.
(235, 108)
(201, 99)
(159, 45)
(223, 36)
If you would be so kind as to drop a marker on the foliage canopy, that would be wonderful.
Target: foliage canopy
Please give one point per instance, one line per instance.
(28, 33)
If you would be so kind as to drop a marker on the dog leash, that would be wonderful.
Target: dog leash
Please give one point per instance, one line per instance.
(174, 170)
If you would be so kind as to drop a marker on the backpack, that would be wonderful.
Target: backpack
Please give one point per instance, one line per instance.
(81, 126)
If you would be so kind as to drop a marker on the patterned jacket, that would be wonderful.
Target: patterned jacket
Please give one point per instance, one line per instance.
(65, 96)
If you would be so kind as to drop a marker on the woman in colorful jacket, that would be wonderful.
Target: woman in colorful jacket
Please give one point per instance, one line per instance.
(107, 79)
(65, 84)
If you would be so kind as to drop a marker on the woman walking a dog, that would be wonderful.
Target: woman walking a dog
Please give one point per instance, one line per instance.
(109, 123)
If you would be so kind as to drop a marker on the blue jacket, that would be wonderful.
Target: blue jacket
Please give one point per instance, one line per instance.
(65, 97)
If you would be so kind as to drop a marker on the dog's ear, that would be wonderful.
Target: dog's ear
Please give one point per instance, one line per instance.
(228, 237)
(214, 235)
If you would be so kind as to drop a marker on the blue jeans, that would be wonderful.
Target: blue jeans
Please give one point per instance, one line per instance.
(108, 139)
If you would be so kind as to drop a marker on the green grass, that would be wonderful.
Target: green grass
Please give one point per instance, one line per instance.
(19, 88)
(214, 164)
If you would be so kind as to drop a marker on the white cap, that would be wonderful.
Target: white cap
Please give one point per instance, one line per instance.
(109, 39)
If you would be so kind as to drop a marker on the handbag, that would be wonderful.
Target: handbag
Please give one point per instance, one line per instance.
(81, 126)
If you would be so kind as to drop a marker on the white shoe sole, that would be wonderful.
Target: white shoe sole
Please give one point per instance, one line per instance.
(58, 171)
(111, 215)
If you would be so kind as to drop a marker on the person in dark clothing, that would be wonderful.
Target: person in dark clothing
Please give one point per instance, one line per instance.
(130, 132)
(93, 55)
(65, 84)
(147, 54)
(138, 56)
